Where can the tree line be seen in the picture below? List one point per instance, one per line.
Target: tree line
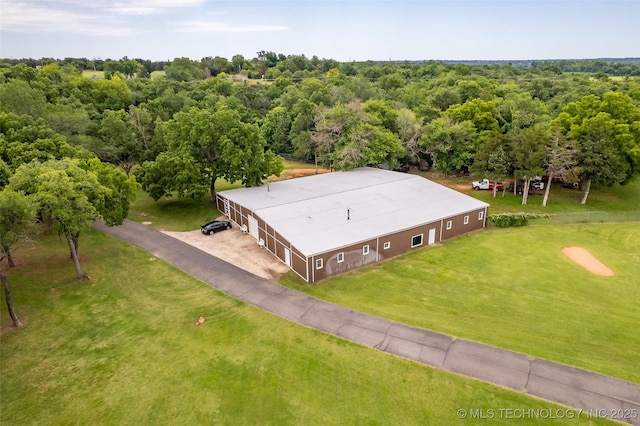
(267, 64)
(73, 149)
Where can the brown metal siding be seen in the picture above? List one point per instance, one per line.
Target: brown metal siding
(353, 258)
(280, 250)
(458, 227)
(237, 216)
(401, 241)
(299, 265)
(270, 243)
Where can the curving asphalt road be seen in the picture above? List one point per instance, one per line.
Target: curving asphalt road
(573, 387)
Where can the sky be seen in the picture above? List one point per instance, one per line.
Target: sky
(344, 30)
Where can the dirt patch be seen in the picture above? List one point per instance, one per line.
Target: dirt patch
(296, 173)
(582, 257)
(461, 187)
(237, 248)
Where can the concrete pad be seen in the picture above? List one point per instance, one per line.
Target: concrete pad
(327, 317)
(487, 363)
(432, 356)
(424, 337)
(288, 304)
(363, 336)
(262, 291)
(372, 322)
(404, 348)
(571, 396)
(631, 413)
(581, 379)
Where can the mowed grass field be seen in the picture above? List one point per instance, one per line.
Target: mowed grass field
(561, 200)
(513, 288)
(123, 349)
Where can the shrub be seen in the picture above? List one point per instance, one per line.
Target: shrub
(504, 220)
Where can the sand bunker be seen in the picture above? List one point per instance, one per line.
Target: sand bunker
(585, 259)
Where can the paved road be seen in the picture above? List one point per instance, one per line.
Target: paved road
(548, 380)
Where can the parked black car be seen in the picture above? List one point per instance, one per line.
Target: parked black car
(215, 226)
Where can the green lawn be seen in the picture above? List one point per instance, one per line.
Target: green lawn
(123, 349)
(515, 289)
(561, 200)
(514, 282)
(172, 213)
(99, 75)
(96, 75)
(180, 214)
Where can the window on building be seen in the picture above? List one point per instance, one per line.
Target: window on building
(449, 224)
(318, 263)
(387, 245)
(416, 240)
(480, 215)
(340, 257)
(365, 250)
(466, 220)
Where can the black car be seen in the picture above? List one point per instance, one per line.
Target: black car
(215, 226)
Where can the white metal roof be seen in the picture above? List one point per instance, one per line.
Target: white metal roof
(311, 212)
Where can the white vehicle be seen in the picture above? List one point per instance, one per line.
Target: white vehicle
(537, 183)
(485, 184)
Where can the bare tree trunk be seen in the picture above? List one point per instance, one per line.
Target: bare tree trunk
(9, 257)
(515, 185)
(547, 189)
(495, 189)
(7, 293)
(212, 190)
(586, 191)
(525, 191)
(76, 260)
(76, 244)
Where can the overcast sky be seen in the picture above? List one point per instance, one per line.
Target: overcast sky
(339, 29)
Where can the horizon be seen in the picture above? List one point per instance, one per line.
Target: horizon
(345, 30)
(396, 61)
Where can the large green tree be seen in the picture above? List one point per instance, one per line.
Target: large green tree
(560, 162)
(451, 145)
(275, 129)
(365, 144)
(492, 161)
(17, 220)
(74, 193)
(118, 140)
(606, 131)
(528, 151)
(204, 146)
(409, 130)
(346, 136)
(25, 139)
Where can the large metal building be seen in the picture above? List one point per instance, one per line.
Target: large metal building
(327, 224)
